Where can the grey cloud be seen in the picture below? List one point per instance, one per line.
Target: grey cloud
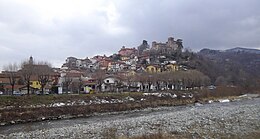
(200, 23)
(217, 24)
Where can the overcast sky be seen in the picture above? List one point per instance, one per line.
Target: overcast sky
(51, 30)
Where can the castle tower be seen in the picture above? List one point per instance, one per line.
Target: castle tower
(31, 60)
(142, 47)
(170, 42)
(179, 43)
(153, 44)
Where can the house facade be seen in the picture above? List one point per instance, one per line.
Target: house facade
(153, 68)
(111, 84)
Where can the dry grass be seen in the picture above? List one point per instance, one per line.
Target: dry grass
(111, 134)
(24, 114)
(160, 135)
(18, 101)
(252, 135)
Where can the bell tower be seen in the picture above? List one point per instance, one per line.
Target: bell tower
(31, 60)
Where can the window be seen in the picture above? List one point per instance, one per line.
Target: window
(152, 69)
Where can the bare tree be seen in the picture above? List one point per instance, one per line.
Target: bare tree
(99, 76)
(67, 80)
(76, 84)
(11, 71)
(27, 70)
(43, 72)
(80, 84)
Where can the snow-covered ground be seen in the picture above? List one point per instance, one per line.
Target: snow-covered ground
(213, 120)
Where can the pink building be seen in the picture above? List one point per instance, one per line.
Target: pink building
(127, 52)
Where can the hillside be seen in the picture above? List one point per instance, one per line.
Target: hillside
(232, 66)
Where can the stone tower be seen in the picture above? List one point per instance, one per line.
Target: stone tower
(142, 47)
(179, 43)
(170, 42)
(31, 60)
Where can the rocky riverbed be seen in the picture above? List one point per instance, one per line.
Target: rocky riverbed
(215, 120)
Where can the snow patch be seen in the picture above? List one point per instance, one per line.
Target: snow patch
(130, 98)
(161, 95)
(198, 104)
(224, 100)
(58, 104)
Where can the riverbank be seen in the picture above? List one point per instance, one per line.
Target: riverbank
(86, 106)
(235, 119)
(23, 109)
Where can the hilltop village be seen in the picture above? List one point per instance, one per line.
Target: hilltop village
(144, 68)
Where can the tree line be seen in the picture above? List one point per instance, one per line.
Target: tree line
(177, 80)
(148, 82)
(22, 74)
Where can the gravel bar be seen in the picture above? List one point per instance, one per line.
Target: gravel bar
(215, 120)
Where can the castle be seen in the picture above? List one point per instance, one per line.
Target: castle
(169, 47)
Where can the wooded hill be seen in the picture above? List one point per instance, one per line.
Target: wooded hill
(237, 66)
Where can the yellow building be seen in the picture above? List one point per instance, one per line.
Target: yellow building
(35, 84)
(153, 69)
(131, 73)
(171, 67)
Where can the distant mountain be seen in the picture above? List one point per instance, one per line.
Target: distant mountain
(246, 50)
(232, 50)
